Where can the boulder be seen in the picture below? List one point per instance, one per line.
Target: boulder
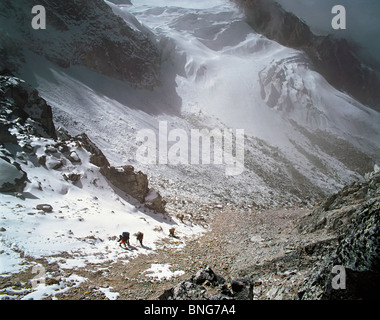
(242, 288)
(207, 274)
(154, 201)
(54, 163)
(206, 285)
(73, 177)
(73, 157)
(12, 177)
(44, 207)
(26, 104)
(97, 157)
(128, 181)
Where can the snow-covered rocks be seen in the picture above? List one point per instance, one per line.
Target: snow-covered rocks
(44, 207)
(22, 104)
(12, 177)
(205, 284)
(154, 201)
(159, 271)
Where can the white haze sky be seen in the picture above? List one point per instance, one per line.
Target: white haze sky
(363, 19)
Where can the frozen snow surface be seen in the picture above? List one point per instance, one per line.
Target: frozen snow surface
(162, 271)
(226, 76)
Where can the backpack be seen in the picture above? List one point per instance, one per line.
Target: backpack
(125, 235)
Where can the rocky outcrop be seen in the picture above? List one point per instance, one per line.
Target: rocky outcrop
(22, 111)
(336, 212)
(134, 184)
(336, 59)
(21, 103)
(154, 201)
(85, 33)
(12, 178)
(353, 215)
(97, 157)
(126, 179)
(206, 285)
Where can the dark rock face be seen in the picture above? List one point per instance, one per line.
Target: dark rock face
(207, 274)
(23, 111)
(13, 178)
(354, 215)
(206, 285)
(97, 157)
(83, 33)
(125, 178)
(134, 184)
(21, 102)
(336, 212)
(335, 59)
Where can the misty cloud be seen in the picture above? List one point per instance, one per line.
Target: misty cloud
(363, 23)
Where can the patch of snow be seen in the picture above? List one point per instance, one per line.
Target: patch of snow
(110, 295)
(43, 291)
(10, 260)
(162, 271)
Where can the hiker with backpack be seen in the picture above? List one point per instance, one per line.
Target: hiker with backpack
(139, 236)
(124, 239)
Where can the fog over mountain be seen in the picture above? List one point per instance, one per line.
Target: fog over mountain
(363, 20)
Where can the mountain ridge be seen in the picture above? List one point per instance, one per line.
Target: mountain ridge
(335, 58)
(81, 33)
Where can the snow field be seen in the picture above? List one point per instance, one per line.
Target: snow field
(86, 220)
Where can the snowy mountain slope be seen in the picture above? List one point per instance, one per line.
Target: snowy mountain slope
(64, 210)
(225, 70)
